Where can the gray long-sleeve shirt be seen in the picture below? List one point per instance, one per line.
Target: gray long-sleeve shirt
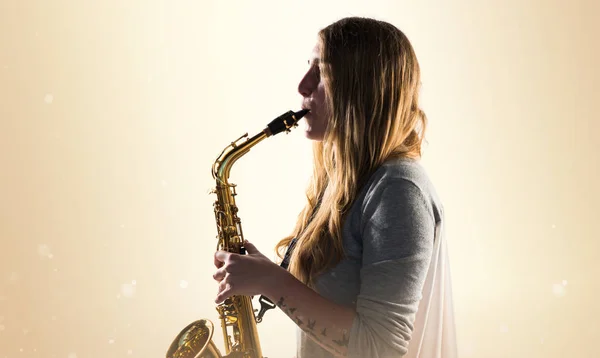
(388, 238)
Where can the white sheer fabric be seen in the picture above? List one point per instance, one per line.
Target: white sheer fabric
(434, 334)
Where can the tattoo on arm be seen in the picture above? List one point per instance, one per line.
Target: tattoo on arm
(280, 303)
(289, 311)
(325, 343)
(341, 343)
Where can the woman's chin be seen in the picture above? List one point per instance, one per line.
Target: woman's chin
(312, 135)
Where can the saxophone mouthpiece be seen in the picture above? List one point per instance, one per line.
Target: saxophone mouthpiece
(301, 113)
(285, 122)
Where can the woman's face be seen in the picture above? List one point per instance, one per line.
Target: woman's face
(312, 90)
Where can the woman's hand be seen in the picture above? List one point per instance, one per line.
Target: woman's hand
(244, 274)
(254, 274)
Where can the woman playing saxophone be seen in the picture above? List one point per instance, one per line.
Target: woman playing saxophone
(368, 274)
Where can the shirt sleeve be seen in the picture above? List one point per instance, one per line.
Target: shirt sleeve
(398, 230)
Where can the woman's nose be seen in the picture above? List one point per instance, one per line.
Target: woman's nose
(305, 87)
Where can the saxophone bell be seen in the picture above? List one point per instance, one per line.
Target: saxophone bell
(195, 341)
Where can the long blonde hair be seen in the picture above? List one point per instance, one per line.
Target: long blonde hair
(372, 81)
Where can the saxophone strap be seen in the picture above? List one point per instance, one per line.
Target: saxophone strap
(265, 303)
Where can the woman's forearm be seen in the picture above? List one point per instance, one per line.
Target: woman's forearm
(326, 322)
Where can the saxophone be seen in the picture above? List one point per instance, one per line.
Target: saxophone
(236, 313)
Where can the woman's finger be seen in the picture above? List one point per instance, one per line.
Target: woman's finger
(225, 291)
(250, 248)
(220, 274)
(225, 283)
(220, 257)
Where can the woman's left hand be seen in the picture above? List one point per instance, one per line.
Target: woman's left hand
(244, 274)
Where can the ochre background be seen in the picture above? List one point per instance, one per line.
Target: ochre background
(112, 112)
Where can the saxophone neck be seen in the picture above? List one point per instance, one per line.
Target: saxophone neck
(233, 152)
(238, 148)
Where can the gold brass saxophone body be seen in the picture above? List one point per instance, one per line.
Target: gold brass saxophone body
(236, 313)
